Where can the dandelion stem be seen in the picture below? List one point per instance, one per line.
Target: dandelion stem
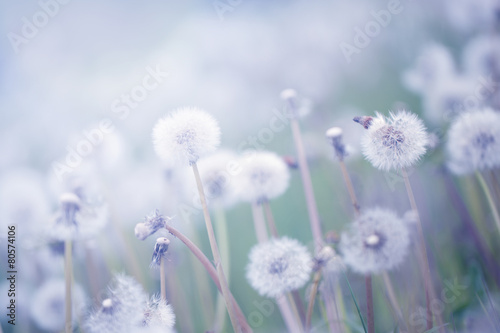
(222, 233)
(287, 314)
(215, 250)
(489, 197)
(68, 276)
(423, 250)
(350, 188)
(211, 271)
(312, 298)
(270, 219)
(162, 278)
(392, 296)
(259, 223)
(308, 188)
(496, 186)
(369, 304)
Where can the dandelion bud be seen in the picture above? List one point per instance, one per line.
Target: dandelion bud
(364, 121)
(160, 250)
(334, 134)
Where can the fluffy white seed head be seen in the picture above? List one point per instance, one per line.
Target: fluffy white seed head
(396, 142)
(480, 56)
(122, 310)
(185, 135)
(278, 266)
(48, 305)
(151, 224)
(474, 142)
(218, 173)
(377, 241)
(159, 313)
(264, 176)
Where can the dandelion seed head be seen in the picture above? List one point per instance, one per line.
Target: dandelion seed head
(121, 310)
(474, 142)
(264, 176)
(480, 56)
(186, 135)
(376, 241)
(218, 179)
(278, 266)
(334, 134)
(396, 142)
(48, 304)
(159, 313)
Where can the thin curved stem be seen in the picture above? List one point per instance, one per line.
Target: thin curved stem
(287, 314)
(222, 233)
(369, 304)
(215, 249)
(312, 298)
(270, 219)
(489, 197)
(163, 288)
(259, 223)
(211, 271)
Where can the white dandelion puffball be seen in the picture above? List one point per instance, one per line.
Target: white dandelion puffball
(474, 142)
(48, 304)
(122, 309)
(159, 313)
(185, 135)
(396, 142)
(264, 176)
(376, 241)
(278, 266)
(218, 176)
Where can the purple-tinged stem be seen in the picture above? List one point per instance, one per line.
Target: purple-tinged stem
(68, 277)
(259, 223)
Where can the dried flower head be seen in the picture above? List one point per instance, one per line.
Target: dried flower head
(185, 135)
(376, 241)
(48, 305)
(298, 107)
(151, 224)
(161, 248)
(395, 142)
(77, 219)
(159, 313)
(217, 175)
(474, 142)
(334, 135)
(278, 266)
(121, 310)
(264, 176)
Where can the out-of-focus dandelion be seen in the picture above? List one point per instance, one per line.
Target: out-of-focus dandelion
(48, 305)
(278, 266)
(122, 310)
(159, 313)
(377, 241)
(474, 146)
(186, 135)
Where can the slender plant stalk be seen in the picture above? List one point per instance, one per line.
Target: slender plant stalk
(68, 276)
(369, 304)
(222, 234)
(162, 278)
(312, 298)
(270, 219)
(423, 250)
(496, 185)
(392, 297)
(179, 302)
(308, 188)
(92, 272)
(489, 197)
(291, 324)
(215, 250)
(350, 188)
(259, 223)
(211, 271)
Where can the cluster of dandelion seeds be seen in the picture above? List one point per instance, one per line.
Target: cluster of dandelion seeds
(185, 135)
(278, 266)
(396, 142)
(376, 241)
(474, 142)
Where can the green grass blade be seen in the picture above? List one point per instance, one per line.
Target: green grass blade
(355, 303)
